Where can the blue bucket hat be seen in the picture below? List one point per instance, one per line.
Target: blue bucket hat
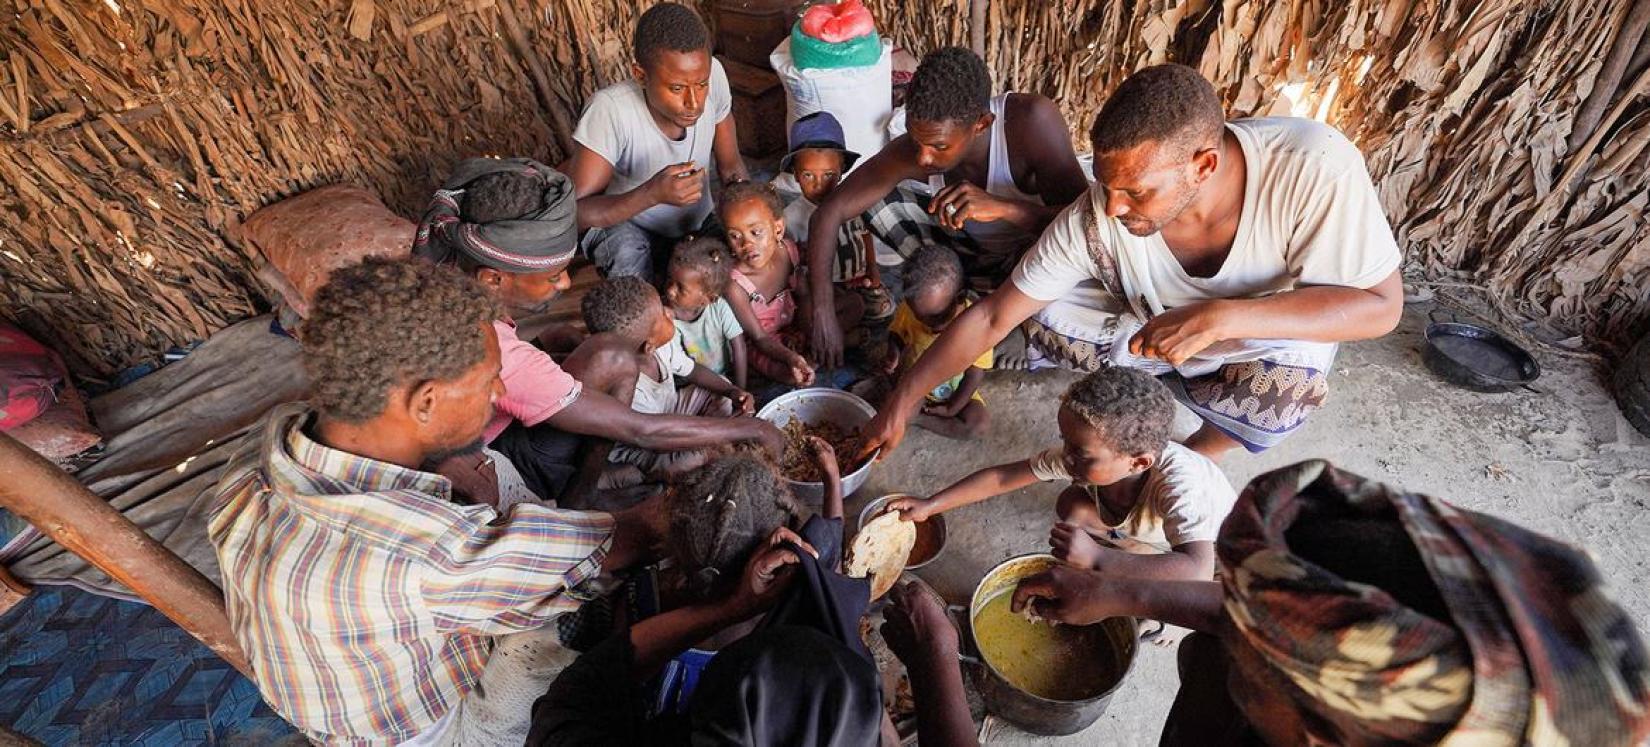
(818, 130)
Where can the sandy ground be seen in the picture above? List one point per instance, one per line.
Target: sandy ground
(1563, 462)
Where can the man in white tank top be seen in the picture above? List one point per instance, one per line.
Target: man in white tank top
(1228, 258)
(1006, 166)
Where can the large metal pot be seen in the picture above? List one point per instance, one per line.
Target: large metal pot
(823, 406)
(1034, 713)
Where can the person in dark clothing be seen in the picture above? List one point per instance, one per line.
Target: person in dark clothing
(787, 684)
(803, 677)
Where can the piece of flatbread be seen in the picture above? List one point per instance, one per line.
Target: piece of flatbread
(880, 551)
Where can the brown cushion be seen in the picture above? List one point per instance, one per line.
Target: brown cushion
(60, 432)
(308, 236)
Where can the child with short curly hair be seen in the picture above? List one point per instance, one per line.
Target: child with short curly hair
(635, 355)
(1157, 503)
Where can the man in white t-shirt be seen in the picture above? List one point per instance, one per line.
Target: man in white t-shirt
(643, 145)
(1228, 257)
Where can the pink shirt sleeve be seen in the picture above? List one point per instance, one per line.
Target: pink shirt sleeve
(535, 388)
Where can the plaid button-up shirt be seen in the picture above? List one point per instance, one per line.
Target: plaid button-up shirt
(365, 598)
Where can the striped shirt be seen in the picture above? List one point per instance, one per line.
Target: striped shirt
(364, 597)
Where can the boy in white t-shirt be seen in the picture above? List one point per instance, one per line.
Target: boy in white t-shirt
(635, 354)
(642, 146)
(1157, 504)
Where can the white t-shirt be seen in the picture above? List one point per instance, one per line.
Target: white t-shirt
(1311, 216)
(618, 126)
(799, 215)
(706, 339)
(1185, 498)
(658, 396)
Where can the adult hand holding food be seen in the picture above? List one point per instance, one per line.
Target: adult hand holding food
(1180, 333)
(1069, 595)
(964, 201)
(680, 184)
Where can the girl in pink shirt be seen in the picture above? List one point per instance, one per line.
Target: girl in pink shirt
(766, 278)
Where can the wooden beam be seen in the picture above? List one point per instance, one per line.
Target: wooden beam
(977, 13)
(88, 526)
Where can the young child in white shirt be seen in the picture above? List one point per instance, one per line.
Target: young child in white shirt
(1138, 505)
(635, 354)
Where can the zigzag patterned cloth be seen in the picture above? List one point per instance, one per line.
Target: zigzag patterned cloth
(1258, 402)
(1256, 391)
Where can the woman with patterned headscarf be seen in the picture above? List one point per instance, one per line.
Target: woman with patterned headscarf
(1351, 613)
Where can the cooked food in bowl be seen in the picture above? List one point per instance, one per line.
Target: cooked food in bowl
(798, 463)
(1048, 660)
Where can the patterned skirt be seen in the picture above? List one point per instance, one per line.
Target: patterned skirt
(1257, 402)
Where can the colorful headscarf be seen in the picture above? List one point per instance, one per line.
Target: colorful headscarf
(534, 242)
(1533, 651)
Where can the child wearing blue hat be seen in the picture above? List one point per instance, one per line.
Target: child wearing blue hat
(818, 159)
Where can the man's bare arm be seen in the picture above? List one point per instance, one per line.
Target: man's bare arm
(862, 189)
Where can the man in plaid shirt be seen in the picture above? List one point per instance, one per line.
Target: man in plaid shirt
(366, 600)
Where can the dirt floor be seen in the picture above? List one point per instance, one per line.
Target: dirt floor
(1562, 462)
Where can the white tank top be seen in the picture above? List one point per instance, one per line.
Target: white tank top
(1000, 237)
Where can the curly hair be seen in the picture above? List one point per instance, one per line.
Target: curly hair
(708, 256)
(668, 27)
(722, 512)
(1130, 408)
(501, 196)
(1164, 104)
(387, 322)
(739, 192)
(620, 305)
(932, 265)
(950, 85)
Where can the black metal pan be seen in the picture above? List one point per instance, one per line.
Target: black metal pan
(1477, 358)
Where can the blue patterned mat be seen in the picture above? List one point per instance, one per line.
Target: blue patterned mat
(79, 669)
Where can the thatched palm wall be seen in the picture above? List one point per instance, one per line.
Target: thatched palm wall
(132, 137)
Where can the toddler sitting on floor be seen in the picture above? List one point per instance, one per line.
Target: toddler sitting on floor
(635, 354)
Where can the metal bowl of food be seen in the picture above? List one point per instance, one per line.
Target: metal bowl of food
(833, 415)
(930, 533)
(1045, 678)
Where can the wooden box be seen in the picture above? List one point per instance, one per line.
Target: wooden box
(758, 108)
(748, 30)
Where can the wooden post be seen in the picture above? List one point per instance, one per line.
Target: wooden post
(88, 526)
(976, 26)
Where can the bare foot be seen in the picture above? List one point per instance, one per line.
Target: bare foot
(1010, 354)
(1165, 636)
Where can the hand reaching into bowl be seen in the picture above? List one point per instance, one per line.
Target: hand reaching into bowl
(912, 508)
(825, 456)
